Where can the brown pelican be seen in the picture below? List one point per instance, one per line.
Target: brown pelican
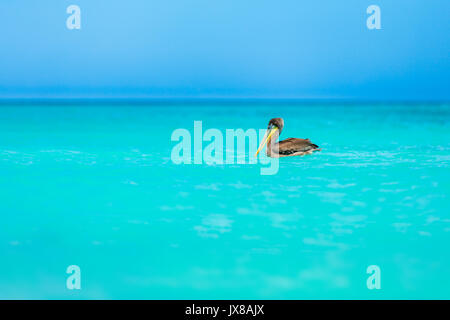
(285, 148)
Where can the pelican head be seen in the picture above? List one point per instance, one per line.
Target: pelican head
(275, 125)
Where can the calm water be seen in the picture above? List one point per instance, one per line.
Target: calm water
(94, 186)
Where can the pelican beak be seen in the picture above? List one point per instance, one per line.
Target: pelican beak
(266, 138)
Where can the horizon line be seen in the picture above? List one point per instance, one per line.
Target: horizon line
(206, 100)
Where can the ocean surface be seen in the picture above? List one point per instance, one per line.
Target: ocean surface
(94, 185)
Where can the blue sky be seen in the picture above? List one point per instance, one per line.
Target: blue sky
(225, 49)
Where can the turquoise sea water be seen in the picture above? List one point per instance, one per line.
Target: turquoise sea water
(94, 186)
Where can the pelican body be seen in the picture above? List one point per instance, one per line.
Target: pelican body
(285, 148)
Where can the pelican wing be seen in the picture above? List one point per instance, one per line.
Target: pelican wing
(295, 145)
